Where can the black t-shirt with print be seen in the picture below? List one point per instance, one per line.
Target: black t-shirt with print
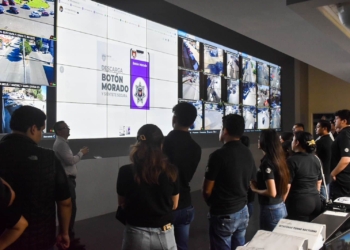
(305, 171)
(341, 148)
(324, 152)
(146, 205)
(232, 167)
(267, 171)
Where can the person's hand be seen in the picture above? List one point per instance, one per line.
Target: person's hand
(253, 185)
(333, 177)
(84, 150)
(63, 241)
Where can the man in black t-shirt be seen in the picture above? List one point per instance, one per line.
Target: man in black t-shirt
(38, 179)
(340, 161)
(323, 151)
(226, 184)
(185, 154)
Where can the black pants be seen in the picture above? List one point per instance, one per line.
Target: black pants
(72, 184)
(336, 191)
(303, 207)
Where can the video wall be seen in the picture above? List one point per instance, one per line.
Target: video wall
(107, 72)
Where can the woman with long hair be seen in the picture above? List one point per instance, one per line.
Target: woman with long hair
(303, 202)
(148, 190)
(272, 183)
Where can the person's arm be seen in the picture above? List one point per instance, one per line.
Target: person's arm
(10, 235)
(270, 191)
(342, 164)
(65, 154)
(8, 190)
(207, 189)
(175, 199)
(64, 211)
(319, 182)
(286, 194)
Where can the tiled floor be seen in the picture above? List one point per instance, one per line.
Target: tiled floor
(106, 233)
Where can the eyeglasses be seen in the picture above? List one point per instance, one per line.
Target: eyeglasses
(64, 128)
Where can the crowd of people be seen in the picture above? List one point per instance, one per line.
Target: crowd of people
(153, 190)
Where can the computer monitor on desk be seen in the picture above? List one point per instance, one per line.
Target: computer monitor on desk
(339, 243)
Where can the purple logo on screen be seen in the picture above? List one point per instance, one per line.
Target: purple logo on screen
(140, 91)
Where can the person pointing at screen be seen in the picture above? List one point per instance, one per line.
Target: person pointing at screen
(69, 161)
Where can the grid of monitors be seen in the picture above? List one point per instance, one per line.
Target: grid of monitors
(247, 85)
(27, 59)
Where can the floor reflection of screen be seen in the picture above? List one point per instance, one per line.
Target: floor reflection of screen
(232, 109)
(190, 54)
(14, 98)
(213, 88)
(213, 60)
(232, 91)
(276, 118)
(213, 113)
(275, 98)
(232, 66)
(190, 85)
(263, 74)
(249, 115)
(248, 70)
(249, 93)
(263, 95)
(263, 118)
(198, 123)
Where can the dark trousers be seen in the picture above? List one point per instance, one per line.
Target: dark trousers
(303, 207)
(72, 184)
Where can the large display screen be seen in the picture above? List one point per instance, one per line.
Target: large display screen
(213, 113)
(87, 63)
(263, 118)
(213, 60)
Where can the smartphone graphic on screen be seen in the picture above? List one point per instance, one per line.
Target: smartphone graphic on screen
(140, 82)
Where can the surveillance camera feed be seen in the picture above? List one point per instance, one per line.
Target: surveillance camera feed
(232, 91)
(275, 118)
(14, 98)
(275, 76)
(248, 70)
(275, 98)
(26, 49)
(232, 109)
(263, 95)
(263, 118)
(190, 54)
(190, 85)
(249, 115)
(232, 70)
(249, 93)
(213, 88)
(198, 123)
(213, 113)
(263, 74)
(213, 60)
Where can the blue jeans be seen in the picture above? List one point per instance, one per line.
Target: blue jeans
(145, 238)
(271, 214)
(250, 206)
(227, 231)
(182, 219)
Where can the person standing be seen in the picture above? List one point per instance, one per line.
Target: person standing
(68, 161)
(340, 160)
(38, 180)
(303, 202)
(323, 151)
(148, 191)
(226, 184)
(183, 152)
(272, 184)
(298, 127)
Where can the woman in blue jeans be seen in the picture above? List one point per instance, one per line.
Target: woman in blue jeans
(148, 190)
(272, 183)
